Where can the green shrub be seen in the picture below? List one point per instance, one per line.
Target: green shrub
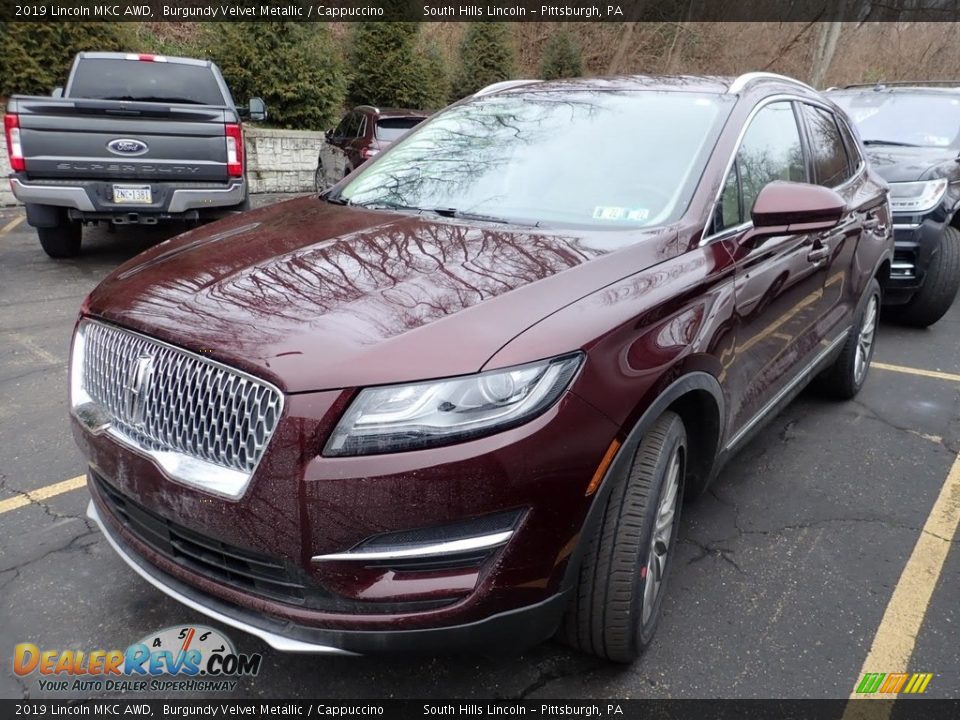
(390, 66)
(436, 81)
(561, 57)
(293, 66)
(36, 57)
(486, 56)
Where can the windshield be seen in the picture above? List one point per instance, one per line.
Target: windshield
(925, 119)
(611, 159)
(390, 129)
(114, 79)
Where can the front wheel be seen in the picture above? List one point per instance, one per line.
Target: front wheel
(940, 285)
(846, 376)
(623, 575)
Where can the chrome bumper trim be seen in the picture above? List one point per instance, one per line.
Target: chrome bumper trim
(481, 542)
(77, 198)
(278, 642)
(183, 200)
(68, 197)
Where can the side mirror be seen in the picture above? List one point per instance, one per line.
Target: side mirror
(329, 134)
(57, 92)
(257, 109)
(784, 208)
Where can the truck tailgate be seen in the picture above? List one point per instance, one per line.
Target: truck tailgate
(70, 138)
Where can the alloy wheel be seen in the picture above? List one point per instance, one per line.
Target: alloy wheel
(662, 536)
(868, 330)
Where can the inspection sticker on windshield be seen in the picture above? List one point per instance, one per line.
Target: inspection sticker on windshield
(612, 212)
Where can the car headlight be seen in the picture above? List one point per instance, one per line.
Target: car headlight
(439, 412)
(916, 197)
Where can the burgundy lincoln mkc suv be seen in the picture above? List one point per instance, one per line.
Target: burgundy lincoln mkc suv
(457, 399)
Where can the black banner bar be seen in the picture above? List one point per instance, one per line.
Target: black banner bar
(466, 10)
(904, 709)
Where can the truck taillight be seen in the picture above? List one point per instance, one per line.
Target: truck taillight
(11, 125)
(234, 150)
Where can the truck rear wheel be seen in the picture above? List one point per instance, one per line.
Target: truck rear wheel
(939, 288)
(62, 240)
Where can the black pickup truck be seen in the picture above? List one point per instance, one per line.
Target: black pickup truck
(132, 138)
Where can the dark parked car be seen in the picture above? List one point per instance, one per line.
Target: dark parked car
(458, 401)
(132, 139)
(362, 133)
(912, 134)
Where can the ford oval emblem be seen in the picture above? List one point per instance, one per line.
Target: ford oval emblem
(127, 146)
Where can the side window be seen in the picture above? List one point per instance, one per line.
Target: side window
(343, 127)
(770, 150)
(831, 167)
(353, 124)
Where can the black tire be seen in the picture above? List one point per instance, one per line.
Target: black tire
(61, 241)
(843, 379)
(606, 613)
(940, 285)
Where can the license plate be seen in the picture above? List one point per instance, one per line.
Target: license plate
(138, 194)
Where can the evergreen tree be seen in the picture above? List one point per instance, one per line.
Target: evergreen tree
(561, 57)
(293, 66)
(486, 56)
(384, 64)
(436, 79)
(36, 57)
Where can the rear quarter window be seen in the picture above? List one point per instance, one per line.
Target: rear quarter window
(831, 166)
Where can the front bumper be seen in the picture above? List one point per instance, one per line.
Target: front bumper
(523, 627)
(917, 240)
(318, 519)
(94, 197)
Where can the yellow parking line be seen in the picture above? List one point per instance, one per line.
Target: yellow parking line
(935, 374)
(11, 225)
(43, 493)
(895, 639)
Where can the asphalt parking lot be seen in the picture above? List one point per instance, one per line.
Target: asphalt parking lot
(782, 583)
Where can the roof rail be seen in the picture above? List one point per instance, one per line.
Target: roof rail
(743, 80)
(503, 85)
(901, 83)
(376, 111)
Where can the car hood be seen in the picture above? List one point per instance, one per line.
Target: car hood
(314, 296)
(906, 164)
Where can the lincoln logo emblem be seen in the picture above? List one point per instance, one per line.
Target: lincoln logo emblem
(135, 392)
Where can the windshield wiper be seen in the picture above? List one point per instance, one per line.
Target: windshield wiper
(447, 212)
(480, 217)
(890, 142)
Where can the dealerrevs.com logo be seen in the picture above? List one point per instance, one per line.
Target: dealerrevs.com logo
(191, 658)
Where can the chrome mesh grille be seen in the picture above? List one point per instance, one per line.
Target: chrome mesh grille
(189, 405)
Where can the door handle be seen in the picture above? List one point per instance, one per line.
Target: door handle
(873, 223)
(819, 252)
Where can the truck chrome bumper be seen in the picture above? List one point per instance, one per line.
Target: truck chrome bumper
(61, 196)
(76, 197)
